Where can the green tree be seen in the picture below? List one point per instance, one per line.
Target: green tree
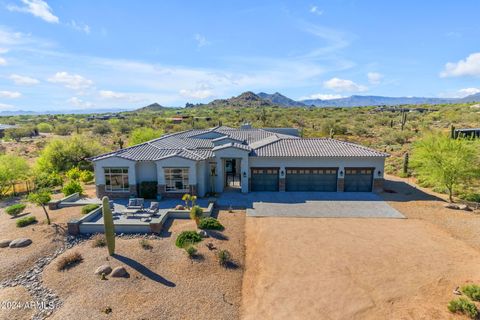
(12, 169)
(61, 155)
(141, 135)
(41, 198)
(445, 162)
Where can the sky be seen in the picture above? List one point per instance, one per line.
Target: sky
(66, 55)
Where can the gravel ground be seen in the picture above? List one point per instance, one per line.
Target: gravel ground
(13, 302)
(163, 282)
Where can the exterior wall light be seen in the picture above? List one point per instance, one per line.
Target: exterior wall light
(282, 173)
(244, 174)
(379, 173)
(341, 173)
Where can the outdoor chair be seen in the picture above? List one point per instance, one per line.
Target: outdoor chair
(153, 208)
(135, 203)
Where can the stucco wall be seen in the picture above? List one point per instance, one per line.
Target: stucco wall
(113, 162)
(177, 162)
(146, 171)
(229, 153)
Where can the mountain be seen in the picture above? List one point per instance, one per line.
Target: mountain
(279, 99)
(246, 99)
(360, 101)
(471, 98)
(152, 107)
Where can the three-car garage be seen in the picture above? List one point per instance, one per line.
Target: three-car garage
(313, 179)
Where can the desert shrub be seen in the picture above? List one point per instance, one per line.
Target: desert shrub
(462, 305)
(69, 260)
(86, 176)
(23, 222)
(15, 209)
(210, 223)
(143, 134)
(145, 244)
(45, 127)
(187, 237)
(63, 129)
(72, 187)
(99, 241)
(47, 180)
(472, 291)
(191, 250)
(224, 257)
(473, 197)
(148, 189)
(89, 208)
(102, 129)
(73, 174)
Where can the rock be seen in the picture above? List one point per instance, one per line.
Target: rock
(119, 272)
(464, 207)
(179, 207)
(451, 206)
(4, 243)
(19, 243)
(106, 269)
(203, 233)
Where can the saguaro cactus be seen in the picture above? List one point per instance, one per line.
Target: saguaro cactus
(109, 226)
(404, 119)
(405, 164)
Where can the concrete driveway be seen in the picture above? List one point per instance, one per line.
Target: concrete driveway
(311, 204)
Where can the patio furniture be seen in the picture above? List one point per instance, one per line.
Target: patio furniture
(130, 212)
(135, 203)
(153, 208)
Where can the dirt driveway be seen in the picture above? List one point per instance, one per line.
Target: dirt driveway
(307, 268)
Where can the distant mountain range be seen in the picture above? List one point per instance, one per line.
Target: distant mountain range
(250, 99)
(262, 99)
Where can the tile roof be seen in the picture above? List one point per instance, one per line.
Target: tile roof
(198, 145)
(323, 147)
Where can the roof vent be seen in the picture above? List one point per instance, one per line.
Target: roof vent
(245, 126)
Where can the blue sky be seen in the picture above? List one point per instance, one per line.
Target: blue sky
(61, 55)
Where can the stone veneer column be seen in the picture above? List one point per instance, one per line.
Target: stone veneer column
(340, 184)
(161, 190)
(133, 190)
(281, 184)
(378, 184)
(100, 190)
(193, 189)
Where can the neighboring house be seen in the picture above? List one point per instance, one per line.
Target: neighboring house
(467, 133)
(246, 159)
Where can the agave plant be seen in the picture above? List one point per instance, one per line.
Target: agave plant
(196, 213)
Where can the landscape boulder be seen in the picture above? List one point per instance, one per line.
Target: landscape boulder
(464, 207)
(119, 272)
(179, 207)
(203, 233)
(4, 243)
(105, 269)
(20, 242)
(451, 206)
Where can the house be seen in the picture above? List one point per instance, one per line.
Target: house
(244, 160)
(467, 133)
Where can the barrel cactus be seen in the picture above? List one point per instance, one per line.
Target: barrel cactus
(109, 226)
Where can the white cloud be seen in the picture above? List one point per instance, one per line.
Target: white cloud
(201, 40)
(23, 80)
(467, 67)
(79, 26)
(4, 106)
(196, 94)
(467, 92)
(107, 94)
(71, 81)
(38, 8)
(322, 96)
(79, 103)
(315, 10)
(374, 77)
(343, 85)
(3, 50)
(3, 62)
(10, 94)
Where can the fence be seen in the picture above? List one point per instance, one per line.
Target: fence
(21, 188)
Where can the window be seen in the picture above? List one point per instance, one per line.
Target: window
(116, 179)
(176, 179)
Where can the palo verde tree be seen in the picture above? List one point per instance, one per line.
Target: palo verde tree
(445, 162)
(41, 198)
(12, 170)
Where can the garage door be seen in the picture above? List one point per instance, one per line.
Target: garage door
(264, 179)
(358, 179)
(311, 179)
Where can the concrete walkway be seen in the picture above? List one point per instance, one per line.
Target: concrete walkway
(311, 204)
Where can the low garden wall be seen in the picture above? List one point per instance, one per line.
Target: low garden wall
(68, 201)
